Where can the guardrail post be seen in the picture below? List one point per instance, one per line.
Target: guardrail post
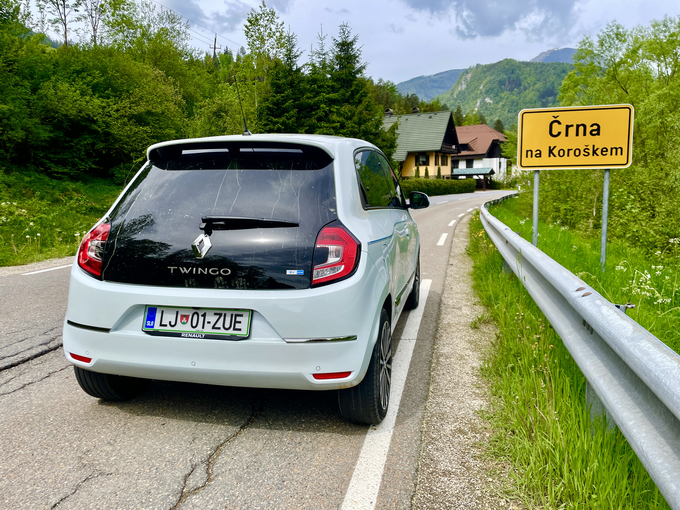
(597, 408)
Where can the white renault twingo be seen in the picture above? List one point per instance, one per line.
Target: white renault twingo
(273, 261)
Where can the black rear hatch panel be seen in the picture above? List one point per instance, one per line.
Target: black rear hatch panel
(273, 187)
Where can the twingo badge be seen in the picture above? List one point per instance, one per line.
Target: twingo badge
(201, 246)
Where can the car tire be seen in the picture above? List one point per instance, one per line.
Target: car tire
(109, 387)
(367, 403)
(414, 297)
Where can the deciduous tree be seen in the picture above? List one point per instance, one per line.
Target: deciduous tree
(60, 14)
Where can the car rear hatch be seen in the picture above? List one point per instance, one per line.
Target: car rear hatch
(251, 210)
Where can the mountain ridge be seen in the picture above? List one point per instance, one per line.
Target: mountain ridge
(501, 90)
(427, 87)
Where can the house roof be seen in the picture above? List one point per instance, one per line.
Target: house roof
(422, 132)
(473, 171)
(479, 139)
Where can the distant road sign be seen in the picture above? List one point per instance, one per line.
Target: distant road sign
(575, 137)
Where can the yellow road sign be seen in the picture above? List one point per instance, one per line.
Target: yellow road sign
(575, 137)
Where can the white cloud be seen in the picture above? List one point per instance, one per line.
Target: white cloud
(492, 18)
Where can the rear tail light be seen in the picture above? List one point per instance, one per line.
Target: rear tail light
(91, 251)
(336, 254)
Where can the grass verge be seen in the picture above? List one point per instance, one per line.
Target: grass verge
(43, 218)
(538, 410)
(650, 282)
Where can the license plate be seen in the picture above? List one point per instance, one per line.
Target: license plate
(210, 323)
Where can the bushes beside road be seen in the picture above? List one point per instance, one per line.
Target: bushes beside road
(434, 187)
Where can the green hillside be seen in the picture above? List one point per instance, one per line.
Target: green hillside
(429, 87)
(503, 89)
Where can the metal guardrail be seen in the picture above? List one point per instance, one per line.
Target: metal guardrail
(635, 375)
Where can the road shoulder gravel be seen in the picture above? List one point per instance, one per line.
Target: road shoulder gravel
(453, 471)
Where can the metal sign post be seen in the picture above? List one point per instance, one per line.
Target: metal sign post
(537, 179)
(605, 216)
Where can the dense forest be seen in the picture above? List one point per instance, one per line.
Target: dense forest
(126, 78)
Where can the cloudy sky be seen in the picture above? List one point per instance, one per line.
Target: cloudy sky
(402, 39)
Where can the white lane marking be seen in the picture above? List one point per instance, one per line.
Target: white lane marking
(461, 215)
(471, 209)
(442, 239)
(362, 492)
(452, 222)
(444, 202)
(45, 270)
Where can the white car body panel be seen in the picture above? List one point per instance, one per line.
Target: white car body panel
(104, 319)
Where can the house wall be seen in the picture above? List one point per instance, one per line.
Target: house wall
(409, 167)
(499, 166)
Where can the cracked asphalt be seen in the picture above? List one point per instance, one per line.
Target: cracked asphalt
(190, 446)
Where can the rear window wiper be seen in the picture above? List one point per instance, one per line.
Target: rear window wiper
(211, 223)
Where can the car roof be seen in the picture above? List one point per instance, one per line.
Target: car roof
(332, 145)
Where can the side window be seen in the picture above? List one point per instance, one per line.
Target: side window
(400, 201)
(379, 189)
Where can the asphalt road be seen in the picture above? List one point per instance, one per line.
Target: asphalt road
(195, 446)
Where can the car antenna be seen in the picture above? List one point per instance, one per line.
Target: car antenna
(247, 131)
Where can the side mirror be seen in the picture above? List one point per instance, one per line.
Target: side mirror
(418, 200)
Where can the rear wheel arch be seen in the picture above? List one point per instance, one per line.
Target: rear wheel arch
(387, 306)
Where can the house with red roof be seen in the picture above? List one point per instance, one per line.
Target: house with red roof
(480, 153)
(431, 141)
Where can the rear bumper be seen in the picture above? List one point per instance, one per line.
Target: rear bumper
(104, 323)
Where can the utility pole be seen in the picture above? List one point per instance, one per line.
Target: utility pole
(214, 47)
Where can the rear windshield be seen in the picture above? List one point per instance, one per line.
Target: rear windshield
(182, 184)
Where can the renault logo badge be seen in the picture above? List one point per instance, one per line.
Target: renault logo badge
(201, 246)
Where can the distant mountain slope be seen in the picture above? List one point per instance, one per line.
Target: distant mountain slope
(503, 89)
(556, 55)
(429, 87)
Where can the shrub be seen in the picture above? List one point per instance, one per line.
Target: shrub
(434, 187)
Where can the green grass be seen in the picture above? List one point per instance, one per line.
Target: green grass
(538, 412)
(650, 282)
(42, 218)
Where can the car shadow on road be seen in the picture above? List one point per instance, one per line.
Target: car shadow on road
(223, 405)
